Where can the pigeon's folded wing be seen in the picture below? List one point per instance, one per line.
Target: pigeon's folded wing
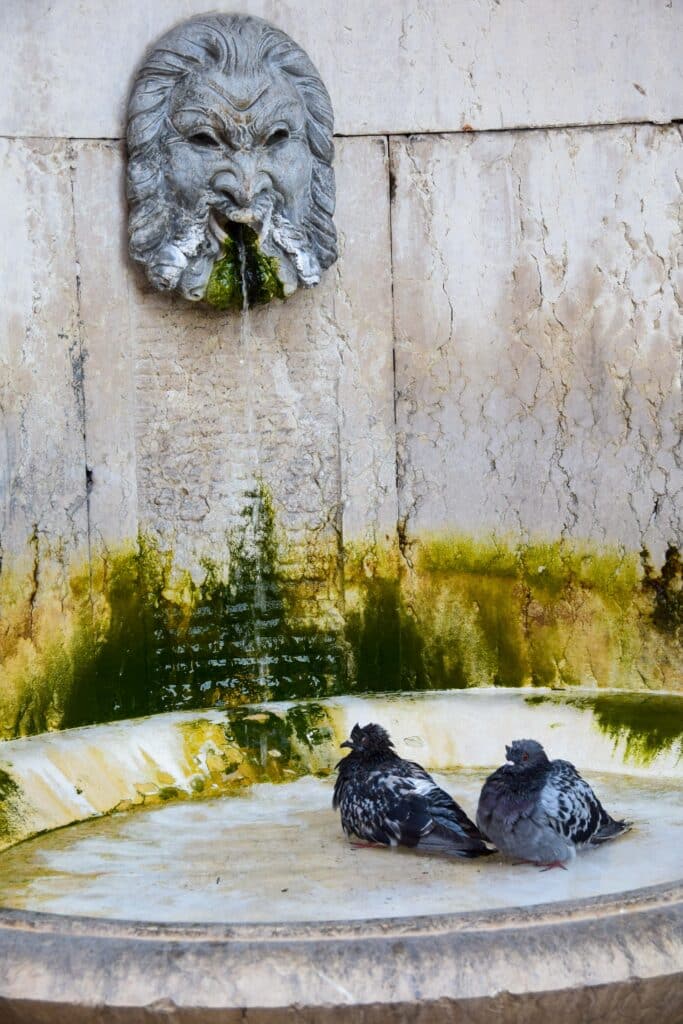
(444, 812)
(444, 826)
(396, 810)
(570, 804)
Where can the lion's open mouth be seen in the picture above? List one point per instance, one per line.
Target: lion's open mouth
(218, 225)
(222, 222)
(244, 275)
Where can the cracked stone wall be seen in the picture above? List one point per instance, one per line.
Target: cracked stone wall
(538, 294)
(299, 394)
(496, 354)
(125, 411)
(395, 66)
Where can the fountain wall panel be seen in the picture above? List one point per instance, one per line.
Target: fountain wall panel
(438, 468)
(394, 67)
(43, 487)
(300, 395)
(42, 364)
(104, 307)
(539, 319)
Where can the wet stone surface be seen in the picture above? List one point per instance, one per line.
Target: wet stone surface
(278, 854)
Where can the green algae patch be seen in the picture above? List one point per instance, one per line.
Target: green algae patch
(142, 637)
(224, 290)
(132, 634)
(255, 641)
(386, 649)
(259, 743)
(279, 746)
(666, 589)
(540, 614)
(9, 808)
(243, 262)
(647, 724)
(456, 612)
(212, 759)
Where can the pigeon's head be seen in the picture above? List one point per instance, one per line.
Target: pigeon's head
(526, 753)
(370, 739)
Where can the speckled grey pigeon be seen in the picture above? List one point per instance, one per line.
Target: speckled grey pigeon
(541, 811)
(384, 799)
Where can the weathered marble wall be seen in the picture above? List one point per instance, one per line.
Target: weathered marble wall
(496, 356)
(187, 407)
(539, 315)
(394, 66)
(43, 488)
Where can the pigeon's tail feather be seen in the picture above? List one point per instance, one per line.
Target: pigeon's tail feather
(441, 840)
(610, 830)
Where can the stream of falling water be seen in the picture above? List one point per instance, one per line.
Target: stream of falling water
(247, 360)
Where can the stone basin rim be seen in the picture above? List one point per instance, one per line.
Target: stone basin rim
(492, 692)
(668, 895)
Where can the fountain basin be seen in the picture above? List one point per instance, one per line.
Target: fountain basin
(284, 913)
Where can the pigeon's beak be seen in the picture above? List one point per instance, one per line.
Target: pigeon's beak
(508, 751)
(347, 743)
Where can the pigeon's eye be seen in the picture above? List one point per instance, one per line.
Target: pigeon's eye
(365, 741)
(525, 757)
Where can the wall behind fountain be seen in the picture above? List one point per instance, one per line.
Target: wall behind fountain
(462, 439)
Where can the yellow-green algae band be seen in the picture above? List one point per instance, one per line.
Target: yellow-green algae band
(136, 636)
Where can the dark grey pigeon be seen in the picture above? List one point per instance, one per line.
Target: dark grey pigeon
(384, 799)
(542, 811)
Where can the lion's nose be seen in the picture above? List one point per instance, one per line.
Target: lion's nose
(240, 189)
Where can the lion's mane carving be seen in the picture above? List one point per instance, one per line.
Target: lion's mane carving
(229, 124)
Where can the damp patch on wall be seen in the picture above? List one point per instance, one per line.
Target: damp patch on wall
(132, 634)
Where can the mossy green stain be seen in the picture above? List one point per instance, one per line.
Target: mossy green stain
(116, 680)
(649, 724)
(261, 274)
(167, 793)
(9, 804)
(518, 614)
(547, 569)
(277, 743)
(666, 588)
(386, 649)
(466, 614)
(257, 646)
(170, 643)
(224, 290)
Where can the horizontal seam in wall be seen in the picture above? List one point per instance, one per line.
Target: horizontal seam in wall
(598, 126)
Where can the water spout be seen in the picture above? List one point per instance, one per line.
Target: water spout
(259, 600)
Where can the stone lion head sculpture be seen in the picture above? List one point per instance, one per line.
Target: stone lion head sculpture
(230, 181)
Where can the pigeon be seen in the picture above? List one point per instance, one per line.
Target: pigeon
(542, 811)
(388, 801)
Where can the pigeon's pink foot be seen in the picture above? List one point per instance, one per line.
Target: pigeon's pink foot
(553, 864)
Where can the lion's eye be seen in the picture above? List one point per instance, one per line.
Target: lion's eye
(204, 139)
(279, 135)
